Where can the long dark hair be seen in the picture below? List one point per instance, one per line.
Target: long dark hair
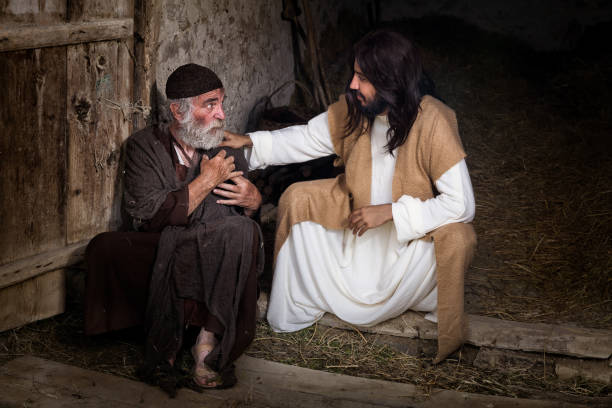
(393, 66)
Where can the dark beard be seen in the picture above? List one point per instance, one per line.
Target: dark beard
(374, 108)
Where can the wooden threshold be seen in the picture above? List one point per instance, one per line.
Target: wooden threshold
(32, 381)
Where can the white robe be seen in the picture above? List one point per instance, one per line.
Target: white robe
(362, 280)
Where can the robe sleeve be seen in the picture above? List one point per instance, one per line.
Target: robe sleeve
(152, 197)
(294, 144)
(413, 218)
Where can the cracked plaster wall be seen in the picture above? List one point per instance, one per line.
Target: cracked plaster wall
(245, 42)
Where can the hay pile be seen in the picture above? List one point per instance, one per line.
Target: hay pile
(536, 127)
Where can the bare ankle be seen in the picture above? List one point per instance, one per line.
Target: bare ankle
(206, 337)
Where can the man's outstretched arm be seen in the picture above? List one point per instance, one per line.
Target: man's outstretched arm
(294, 144)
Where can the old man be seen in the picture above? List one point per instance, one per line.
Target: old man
(392, 233)
(192, 255)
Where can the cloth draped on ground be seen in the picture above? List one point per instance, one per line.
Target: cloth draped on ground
(200, 269)
(321, 267)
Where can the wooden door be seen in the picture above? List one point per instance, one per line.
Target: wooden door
(67, 70)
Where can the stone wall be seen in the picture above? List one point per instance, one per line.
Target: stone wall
(245, 42)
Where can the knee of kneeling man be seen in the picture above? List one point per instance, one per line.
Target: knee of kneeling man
(462, 236)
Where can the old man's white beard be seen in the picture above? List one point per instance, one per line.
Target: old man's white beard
(201, 136)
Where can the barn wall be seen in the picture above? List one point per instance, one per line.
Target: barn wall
(69, 106)
(71, 99)
(544, 25)
(245, 42)
(67, 69)
(32, 152)
(32, 11)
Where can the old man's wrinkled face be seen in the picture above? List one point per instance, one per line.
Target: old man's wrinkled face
(202, 126)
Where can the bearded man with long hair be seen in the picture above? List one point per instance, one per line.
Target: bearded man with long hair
(393, 231)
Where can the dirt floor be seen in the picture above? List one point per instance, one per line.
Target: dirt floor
(536, 128)
(353, 353)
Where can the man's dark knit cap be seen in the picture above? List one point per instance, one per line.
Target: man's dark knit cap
(191, 80)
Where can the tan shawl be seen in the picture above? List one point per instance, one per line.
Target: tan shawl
(433, 146)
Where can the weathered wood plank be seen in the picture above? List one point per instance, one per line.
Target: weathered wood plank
(277, 384)
(23, 269)
(39, 12)
(21, 37)
(99, 121)
(549, 338)
(410, 324)
(146, 32)
(87, 10)
(491, 332)
(33, 381)
(260, 383)
(596, 370)
(35, 299)
(32, 152)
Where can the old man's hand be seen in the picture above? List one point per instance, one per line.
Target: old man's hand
(368, 217)
(219, 168)
(236, 141)
(243, 194)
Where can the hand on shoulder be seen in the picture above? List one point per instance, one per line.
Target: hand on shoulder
(236, 141)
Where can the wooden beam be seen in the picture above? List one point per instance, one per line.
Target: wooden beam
(23, 37)
(32, 126)
(596, 370)
(18, 271)
(34, 299)
(98, 96)
(489, 332)
(33, 381)
(146, 41)
(540, 337)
